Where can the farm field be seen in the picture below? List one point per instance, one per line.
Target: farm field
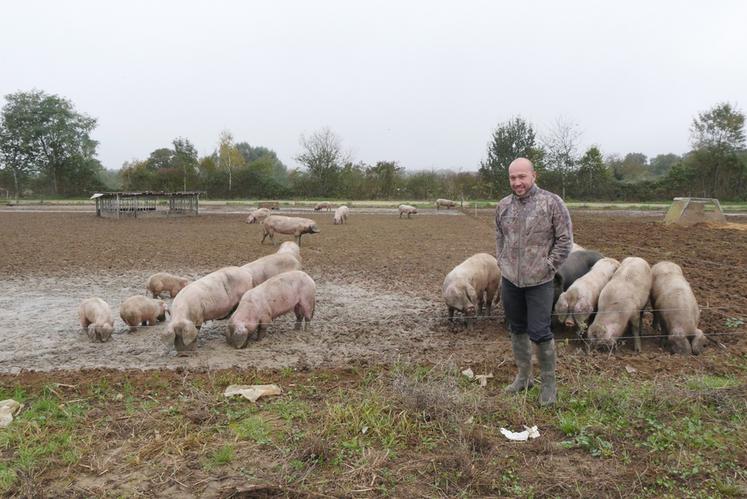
(374, 402)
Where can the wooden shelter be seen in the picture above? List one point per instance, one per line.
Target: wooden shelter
(147, 203)
(690, 211)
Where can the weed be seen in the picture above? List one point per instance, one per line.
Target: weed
(221, 456)
(253, 428)
(733, 322)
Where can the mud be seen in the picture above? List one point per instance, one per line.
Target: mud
(379, 285)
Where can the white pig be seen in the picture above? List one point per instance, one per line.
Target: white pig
(406, 209)
(291, 291)
(341, 215)
(211, 297)
(575, 306)
(96, 319)
(163, 281)
(140, 310)
(621, 302)
(446, 203)
(291, 248)
(472, 284)
(288, 225)
(269, 266)
(258, 215)
(676, 311)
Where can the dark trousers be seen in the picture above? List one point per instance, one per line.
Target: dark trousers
(529, 310)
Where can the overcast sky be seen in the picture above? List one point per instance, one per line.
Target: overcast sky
(423, 83)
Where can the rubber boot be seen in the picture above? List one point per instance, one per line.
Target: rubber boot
(546, 356)
(522, 349)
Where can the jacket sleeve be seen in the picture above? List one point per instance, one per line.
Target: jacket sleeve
(498, 234)
(563, 230)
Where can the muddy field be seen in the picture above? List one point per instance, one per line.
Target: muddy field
(378, 280)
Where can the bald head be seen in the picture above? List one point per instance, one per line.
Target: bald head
(521, 175)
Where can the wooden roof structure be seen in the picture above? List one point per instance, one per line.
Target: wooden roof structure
(147, 203)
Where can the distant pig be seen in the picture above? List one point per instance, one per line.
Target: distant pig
(324, 205)
(258, 215)
(269, 266)
(577, 264)
(471, 285)
(341, 215)
(96, 319)
(621, 303)
(446, 203)
(676, 310)
(140, 310)
(211, 297)
(291, 291)
(165, 282)
(406, 209)
(575, 306)
(288, 225)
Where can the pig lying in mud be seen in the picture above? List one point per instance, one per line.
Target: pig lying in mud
(471, 285)
(211, 297)
(406, 209)
(676, 311)
(341, 215)
(621, 303)
(575, 306)
(577, 264)
(96, 319)
(165, 282)
(258, 215)
(446, 203)
(286, 259)
(291, 291)
(294, 226)
(140, 310)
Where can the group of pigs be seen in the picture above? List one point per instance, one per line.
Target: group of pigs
(588, 285)
(293, 226)
(252, 295)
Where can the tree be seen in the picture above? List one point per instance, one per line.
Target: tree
(323, 157)
(16, 150)
(229, 157)
(592, 175)
(185, 159)
(386, 177)
(660, 164)
(510, 140)
(560, 145)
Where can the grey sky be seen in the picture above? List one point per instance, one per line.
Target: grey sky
(422, 83)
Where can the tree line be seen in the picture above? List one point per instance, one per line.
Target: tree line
(46, 150)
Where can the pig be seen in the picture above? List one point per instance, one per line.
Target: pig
(140, 310)
(575, 306)
(324, 205)
(407, 209)
(676, 311)
(211, 297)
(341, 215)
(577, 264)
(290, 247)
(96, 319)
(165, 282)
(288, 225)
(446, 203)
(621, 303)
(290, 291)
(472, 284)
(258, 215)
(284, 260)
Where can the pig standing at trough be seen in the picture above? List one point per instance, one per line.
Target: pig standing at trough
(406, 209)
(291, 291)
(446, 203)
(294, 226)
(163, 281)
(140, 310)
(269, 266)
(472, 284)
(96, 318)
(621, 302)
(258, 215)
(211, 297)
(676, 310)
(575, 306)
(341, 215)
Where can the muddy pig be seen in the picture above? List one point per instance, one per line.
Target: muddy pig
(258, 216)
(211, 297)
(291, 291)
(295, 226)
(471, 285)
(676, 311)
(575, 306)
(406, 209)
(140, 310)
(577, 264)
(621, 303)
(162, 281)
(96, 319)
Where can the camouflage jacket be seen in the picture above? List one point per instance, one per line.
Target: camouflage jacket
(533, 236)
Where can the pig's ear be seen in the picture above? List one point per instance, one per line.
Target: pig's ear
(168, 336)
(189, 334)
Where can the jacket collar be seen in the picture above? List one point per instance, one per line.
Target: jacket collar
(529, 195)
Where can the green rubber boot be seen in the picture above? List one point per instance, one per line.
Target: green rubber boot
(546, 355)
(522, 349)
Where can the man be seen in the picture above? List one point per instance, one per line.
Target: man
(533, 235)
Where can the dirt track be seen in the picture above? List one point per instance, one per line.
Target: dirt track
(379, 282)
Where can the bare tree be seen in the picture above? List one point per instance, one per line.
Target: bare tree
(323, 156)
(561, 149)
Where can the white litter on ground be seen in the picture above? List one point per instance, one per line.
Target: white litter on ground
(8, 409)
(521, 436)
(252, 392)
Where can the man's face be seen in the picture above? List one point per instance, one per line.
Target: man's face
(521, 176)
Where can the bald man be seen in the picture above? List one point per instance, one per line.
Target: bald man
(533, 235)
